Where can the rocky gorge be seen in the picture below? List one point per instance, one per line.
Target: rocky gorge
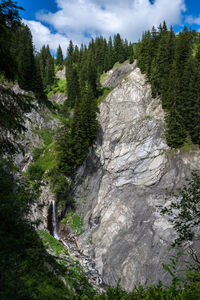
(127, 176)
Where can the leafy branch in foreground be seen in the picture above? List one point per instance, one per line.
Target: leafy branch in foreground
(184, 214)
(184, 211)
(12, 118)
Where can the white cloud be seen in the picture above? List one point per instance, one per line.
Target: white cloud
(78, 20)
(43, 36)
(191, 20)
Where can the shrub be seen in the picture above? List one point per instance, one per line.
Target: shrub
(35, 172)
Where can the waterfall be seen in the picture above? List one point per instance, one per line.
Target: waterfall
(55, 234)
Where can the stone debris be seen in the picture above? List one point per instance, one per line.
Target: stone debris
(86, 263)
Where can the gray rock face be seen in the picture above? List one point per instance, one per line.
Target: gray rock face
(59, 98)
(115, 75)
(122, 182)
(61, 73)
(38, 119)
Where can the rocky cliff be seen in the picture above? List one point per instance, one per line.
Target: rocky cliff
(124, 179)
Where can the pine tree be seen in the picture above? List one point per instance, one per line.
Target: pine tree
(71, 76)
(119, 54)
(191, 109)
(175, 132)
(79, 136)
(45, 62)
(92, 71)
(89, 110)
(49, 70)
(110, 54)
(25, 59)
(10, 21)
(59, 57)
(161, 63)
(144, 56)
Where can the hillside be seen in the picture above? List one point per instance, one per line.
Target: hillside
(93, 148)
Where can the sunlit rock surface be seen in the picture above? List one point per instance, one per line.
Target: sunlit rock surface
(124, 180)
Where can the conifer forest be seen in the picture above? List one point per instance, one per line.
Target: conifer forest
(171, 64)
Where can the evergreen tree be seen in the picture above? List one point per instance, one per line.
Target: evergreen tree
(89, 110)
(119, 53)
(9, 22)
(71, 76)
(175, 132)
(92, 71)
(161, 64)
(25, 58)
(110, 54)
(45, 61)
(59, 57)
(144, 56)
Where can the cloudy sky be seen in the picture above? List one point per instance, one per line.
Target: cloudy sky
(56, 22)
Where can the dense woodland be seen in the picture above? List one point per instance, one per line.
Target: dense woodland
(172, 66)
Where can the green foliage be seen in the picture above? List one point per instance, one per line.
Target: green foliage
(23, 257)
(76, 224)
(37, 152)
(46, 134)
(45, 160)
(58, 87)
(175, 133)
(83, 69)
(52, 244)
(103, 77)
(35, 172)
(12, 118)
(105, 92)
(27, 270)
(188, 145)
(173, 71)
(68, 216)
(9, 21)
(45, 63)
(25, 58)
(190, 290)
(59, 57)
(184, 210)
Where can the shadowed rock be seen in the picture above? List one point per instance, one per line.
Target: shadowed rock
(122, 182)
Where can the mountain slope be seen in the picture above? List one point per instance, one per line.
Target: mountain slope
(123, 181)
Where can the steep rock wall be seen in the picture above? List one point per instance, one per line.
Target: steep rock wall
(122, 182)
(40, 118)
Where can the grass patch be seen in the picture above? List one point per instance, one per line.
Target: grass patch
(69, 215)
(188, 145)
(105, 92)
(44, 163)
(52, 244)
(74, 221)
(117, 64)
(103, 77)
(46, 134)
(5, 81)
(76, 224)
(60, 86)
(48, 159)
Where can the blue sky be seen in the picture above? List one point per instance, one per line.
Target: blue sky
(56, 22)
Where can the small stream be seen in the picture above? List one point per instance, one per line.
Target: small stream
(54, 224)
